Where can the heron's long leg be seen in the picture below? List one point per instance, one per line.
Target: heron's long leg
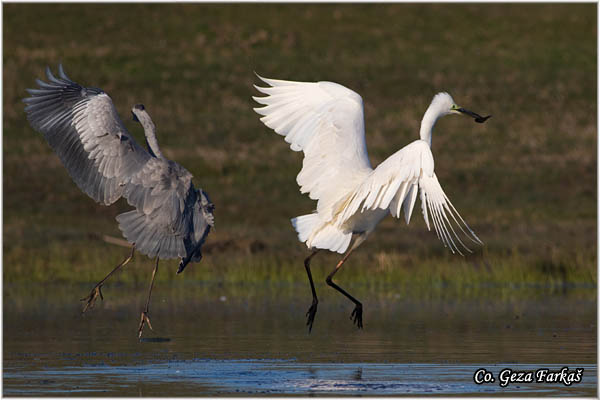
(312, 311)
(144, 318)
(97, 290)
(357, 313)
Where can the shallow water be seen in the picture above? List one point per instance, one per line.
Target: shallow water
(252, 341)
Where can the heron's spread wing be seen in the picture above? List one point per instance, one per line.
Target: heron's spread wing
(395, 183)
(169, 231)
(172, 218)
(160, 185)
(83, 128)
(324, 120)
(163, 191)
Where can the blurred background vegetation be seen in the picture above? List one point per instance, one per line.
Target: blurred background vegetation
(525, 181)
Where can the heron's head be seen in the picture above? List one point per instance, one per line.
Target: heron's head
(138, 112)
(444, 104)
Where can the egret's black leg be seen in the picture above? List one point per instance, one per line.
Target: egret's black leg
(312, 311)
(357, 313)
(145, 318)
(97, 290)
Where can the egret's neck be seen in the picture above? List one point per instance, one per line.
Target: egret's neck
(427, 123)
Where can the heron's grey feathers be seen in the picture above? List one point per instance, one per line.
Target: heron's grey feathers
(172, 218)
(176, 213)
(156, 234)
(81, 124)
(160, 183)
(141, 229)
(203, 220)
(324, 120)
(83, 128)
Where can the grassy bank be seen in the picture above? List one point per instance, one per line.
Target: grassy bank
(525, 181)
(389, 271)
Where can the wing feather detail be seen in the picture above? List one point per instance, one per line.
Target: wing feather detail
(175, 217)
(83, 128)
(436, 204)
(325, 121)
(395, 184)
(171, 219)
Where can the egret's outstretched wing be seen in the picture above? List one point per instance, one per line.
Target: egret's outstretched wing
(395, 183)
(83, 128)
(324, 120)
(440, 208)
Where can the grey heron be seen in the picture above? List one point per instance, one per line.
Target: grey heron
(325, 121)
(171, 218)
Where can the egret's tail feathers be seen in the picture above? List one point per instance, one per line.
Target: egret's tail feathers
(305, 225)
(317, 234)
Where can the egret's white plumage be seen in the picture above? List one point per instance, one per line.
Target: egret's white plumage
(325, 120)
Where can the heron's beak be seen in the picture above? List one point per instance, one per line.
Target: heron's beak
(478, 118)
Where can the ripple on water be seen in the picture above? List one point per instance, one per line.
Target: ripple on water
(212, 377)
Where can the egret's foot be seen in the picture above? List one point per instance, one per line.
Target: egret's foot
(144, 320)
(357, 316)
(91, 299)
(310, 314)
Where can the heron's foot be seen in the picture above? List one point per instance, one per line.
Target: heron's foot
(357, 316)
(310, 314)
(91, 299)
(144, 319)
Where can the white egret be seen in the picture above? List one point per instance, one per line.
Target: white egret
(325, 120)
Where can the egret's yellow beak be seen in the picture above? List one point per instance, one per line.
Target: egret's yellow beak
(454, 109)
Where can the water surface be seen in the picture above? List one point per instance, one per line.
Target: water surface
(252, 341)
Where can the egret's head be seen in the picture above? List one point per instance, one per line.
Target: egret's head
(444, 104)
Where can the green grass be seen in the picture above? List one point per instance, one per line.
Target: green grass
(525, 180)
